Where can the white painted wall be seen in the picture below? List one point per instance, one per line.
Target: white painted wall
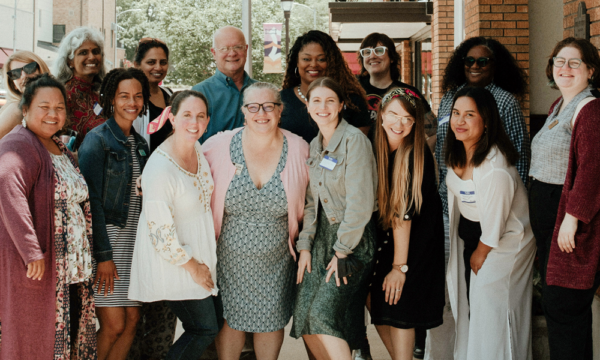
(34, 22)
(545, 30)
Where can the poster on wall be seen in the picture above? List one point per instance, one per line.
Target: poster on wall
(272, 44)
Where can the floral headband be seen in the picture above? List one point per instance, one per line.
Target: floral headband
(400, 92)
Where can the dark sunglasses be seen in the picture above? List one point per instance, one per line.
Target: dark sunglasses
(29, 69)
(481, 62)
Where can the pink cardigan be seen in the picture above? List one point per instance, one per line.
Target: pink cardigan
(294, 177)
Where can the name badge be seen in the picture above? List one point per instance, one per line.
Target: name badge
(444, 120)
(328, 163)
(553, 124)
(142, 152)
(97, 109)
(467, 197)
(238, 168)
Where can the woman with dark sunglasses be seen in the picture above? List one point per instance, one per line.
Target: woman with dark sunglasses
(18, 68)
(476, 62)
(80, 66)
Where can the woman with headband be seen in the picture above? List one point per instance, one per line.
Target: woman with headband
(175, 257)
(407, 289)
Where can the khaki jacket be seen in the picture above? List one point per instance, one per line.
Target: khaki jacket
(347, 193)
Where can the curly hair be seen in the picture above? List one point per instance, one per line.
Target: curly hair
(66, 52)
(337, 68)
(371, 41)
(512, 78)
(111, 82)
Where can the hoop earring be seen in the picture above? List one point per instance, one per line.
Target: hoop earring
(24, 123)
(296, 71)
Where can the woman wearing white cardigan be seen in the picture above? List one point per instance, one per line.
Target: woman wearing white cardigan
(491, 243)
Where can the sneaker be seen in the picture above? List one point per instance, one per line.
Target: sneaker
(361, 354)
(418, 353)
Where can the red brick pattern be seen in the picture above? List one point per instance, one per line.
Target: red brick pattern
(570, 12)
(442, 41)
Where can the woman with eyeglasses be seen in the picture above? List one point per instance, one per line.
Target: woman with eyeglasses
(314, 55)
(80, 66)
(407, 289)
(479, 62)
(152, 57)
(492, 250)
(260, 178)
(564, 198)
(18, 68)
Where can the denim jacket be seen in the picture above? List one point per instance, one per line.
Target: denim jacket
(107, 165)
(347, 193)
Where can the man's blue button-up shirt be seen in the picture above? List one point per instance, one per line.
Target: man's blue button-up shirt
(224, 102)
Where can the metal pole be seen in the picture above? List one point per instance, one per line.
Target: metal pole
(15, 28)
(115, 45)
(247, 30)
(287, 32)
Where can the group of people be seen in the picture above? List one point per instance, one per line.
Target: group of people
(239, 204)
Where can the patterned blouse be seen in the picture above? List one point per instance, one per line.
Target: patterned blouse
(81, 99)
(72, 190)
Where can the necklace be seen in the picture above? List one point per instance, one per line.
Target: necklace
(301, 94)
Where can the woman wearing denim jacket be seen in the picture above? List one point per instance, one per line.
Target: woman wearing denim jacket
(112, 157)
(337, 243)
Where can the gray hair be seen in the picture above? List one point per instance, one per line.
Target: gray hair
(214, 45)
(263, 86)
(67, 48)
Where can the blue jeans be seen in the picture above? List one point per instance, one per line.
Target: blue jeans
(201, 320)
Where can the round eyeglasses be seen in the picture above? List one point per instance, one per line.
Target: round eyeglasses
(267, 107)
(559, 62)
(379, 51)
(392, 119)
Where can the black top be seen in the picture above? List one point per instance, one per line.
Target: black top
(375, 94)
(295, 117)
(161, 135)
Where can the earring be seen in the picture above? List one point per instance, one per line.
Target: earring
(24, 123)
(205, 131)
(296, 71)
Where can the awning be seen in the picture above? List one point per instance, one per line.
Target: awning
(4, 54)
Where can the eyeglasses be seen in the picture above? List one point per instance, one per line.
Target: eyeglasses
(29, 69)
(255, 107)
(559, 62)
(481, 62)
(150, 40)
(236, 48)
(392, 119)
(379, 51)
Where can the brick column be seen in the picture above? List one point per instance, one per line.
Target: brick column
(406, 60)
(442, 42)
(570, 12)
(506, 21)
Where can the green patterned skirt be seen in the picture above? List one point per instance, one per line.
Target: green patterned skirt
(323, 308)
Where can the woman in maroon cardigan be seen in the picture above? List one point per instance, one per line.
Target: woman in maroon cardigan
(572, 274)
(46, 297)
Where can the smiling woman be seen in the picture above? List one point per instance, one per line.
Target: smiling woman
(112, 157)
(80, 66)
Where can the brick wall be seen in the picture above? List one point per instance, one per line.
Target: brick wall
(406, 60)
(442, 42)
(570, 12)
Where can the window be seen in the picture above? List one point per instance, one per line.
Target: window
(58, 33)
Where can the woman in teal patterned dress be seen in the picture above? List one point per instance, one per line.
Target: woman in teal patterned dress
(260, 177)
(337, 243)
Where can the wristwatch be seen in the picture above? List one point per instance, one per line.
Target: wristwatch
(402, 268)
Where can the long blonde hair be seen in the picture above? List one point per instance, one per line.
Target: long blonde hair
(13, 94)
(397, 198)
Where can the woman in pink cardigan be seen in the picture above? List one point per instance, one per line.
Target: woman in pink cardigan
(260, 177)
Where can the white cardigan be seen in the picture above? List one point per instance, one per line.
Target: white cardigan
(500, 295)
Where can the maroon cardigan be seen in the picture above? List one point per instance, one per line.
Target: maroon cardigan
(581, 198)
(27, 307)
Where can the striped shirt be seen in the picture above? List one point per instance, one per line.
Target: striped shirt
(514, 125)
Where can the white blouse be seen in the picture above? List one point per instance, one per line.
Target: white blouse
(466, 199)
(176, 225)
